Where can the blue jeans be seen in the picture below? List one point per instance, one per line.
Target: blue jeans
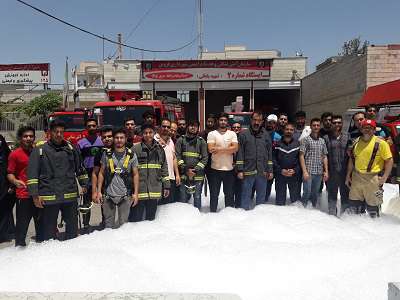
(185, 196)
(260, 183)
(311, 189)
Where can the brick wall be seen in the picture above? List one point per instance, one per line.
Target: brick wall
(383, 64)
(336, 87)
(282, 68)
(339, 86)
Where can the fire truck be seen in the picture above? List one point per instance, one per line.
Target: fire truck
(74, 121)
(114, 112)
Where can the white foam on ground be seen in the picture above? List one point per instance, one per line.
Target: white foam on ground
(268, 253)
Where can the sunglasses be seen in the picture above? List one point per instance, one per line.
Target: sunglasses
(165, 126)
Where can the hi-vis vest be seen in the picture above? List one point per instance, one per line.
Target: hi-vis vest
(153, 170)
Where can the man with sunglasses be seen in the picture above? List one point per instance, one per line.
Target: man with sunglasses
(163, 137)
(89, 146)
(338, 144)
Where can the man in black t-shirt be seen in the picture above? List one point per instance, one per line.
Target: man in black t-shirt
(107, 139)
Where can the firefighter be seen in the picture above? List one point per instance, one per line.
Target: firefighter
(192, 156)
(53, 169)
(153, 175)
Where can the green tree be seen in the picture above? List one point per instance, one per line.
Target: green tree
(353, 47)
(41, 105)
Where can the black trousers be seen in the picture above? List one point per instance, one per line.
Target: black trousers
(238, 192)
(214, 180)
(7, 227)
(49, 216)
(25, 211)
(281, 184)
(146, 207)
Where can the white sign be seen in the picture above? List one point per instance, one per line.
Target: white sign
(25, 74)
(206, 70)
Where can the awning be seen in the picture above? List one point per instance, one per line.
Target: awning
(386, 93)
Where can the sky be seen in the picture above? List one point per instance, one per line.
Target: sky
(318, 29)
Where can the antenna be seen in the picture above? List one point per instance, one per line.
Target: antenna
(200, 27)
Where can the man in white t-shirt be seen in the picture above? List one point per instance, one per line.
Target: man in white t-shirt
(222, 144)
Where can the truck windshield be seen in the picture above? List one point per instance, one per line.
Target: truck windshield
(74, 123)
(116, 115)
(243, 119)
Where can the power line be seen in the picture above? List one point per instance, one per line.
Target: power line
(102, 37)
(138, 23)
(142, 19)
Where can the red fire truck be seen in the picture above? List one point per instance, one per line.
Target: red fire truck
(114, 112)
(74, 121)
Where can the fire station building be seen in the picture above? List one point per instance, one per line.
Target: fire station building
(259, 79)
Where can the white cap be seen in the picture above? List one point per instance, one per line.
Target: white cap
(272, 118)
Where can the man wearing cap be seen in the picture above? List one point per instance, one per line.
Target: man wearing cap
(369, 166)
(271, 126)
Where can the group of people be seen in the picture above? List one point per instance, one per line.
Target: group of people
(130, 171)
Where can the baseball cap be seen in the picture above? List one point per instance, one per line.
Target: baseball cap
(368, 122)
(272, 118)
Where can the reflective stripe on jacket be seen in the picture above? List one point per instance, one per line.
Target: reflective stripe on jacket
(153, 170)
(255, 153)
(53, 171)
(191, 153)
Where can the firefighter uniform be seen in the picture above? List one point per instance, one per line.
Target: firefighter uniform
(153, 178)
(52, 173)
(254, 159)
(191, 153)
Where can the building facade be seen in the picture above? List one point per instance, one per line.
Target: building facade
(340, 82)
(261, 78)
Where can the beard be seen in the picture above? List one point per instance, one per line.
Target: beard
(181, 131)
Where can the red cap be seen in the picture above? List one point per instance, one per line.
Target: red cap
(368, 122)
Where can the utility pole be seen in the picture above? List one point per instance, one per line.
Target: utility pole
(119, 50)
(103, 47)
(200, 28)
(66, 85)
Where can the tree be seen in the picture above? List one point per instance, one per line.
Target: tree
(352, 47)
(41, 105)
